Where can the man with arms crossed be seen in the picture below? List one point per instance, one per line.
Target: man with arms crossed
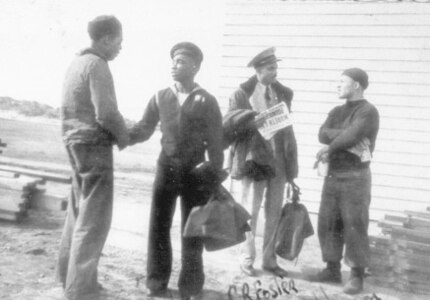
(349, 135)
(91, 125)
(191, 125)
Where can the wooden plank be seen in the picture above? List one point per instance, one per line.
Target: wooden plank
(35, 173)
(328, 20)
(46, 201)
(11, 200)
(18, 183)
(410, 235)
(234, 64)
(332, 8)
(423, 247)
(419, 214)
(327, 42)
(340, 53)
(11, 216)
(417, 223)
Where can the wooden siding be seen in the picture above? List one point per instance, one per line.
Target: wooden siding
(316, 40)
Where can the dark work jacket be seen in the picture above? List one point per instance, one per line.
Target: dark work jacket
(187, 131)
(240, 151)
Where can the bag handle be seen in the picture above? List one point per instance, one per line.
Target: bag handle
(293, 192)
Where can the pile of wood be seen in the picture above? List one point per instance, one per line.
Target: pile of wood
(19, 193)
(400, 257)
(24, 188)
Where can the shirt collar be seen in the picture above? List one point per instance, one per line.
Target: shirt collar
(91, 50)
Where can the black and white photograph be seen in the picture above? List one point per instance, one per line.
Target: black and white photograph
(215, 150)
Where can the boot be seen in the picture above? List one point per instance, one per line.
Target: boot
(330, 274)
(354, 285)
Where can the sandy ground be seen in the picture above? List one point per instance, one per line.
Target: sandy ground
(28, 253)
(28, 250)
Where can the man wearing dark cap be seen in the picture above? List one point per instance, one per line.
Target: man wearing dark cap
(91, 125)
(259, 93)
(191, 125)
(349, 134)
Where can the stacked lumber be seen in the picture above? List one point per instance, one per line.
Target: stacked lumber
(20, 193)
(400, 257)
(14, 195)
(23, 187)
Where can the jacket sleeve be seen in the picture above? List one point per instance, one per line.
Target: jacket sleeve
(363, 125)
(105, 104)
(144, 129)
(215, 134)
(238, 100)
(326, 133)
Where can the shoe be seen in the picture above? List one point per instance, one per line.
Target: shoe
(162, 293)
(248, 270)
(278, 271)
(353, 286)
(327, 275)
(330, 274)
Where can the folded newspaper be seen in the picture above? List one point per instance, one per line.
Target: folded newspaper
(272, 120)
(362, 150)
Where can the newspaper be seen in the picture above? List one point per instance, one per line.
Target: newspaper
(362, 150)
(272, 120)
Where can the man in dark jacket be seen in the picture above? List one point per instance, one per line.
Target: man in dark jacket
(91, 125)
(349, 134)
(259, 93)
(191, 124)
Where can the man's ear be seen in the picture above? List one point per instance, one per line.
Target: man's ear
(356, 85)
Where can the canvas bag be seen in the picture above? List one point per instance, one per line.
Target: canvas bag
(221, 223)
(294, 227)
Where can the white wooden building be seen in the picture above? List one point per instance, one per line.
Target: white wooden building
(316, 40)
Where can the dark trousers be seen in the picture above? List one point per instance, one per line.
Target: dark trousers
(344, 217)
(88, 219)
(171, 182)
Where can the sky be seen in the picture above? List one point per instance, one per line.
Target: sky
(39, 39)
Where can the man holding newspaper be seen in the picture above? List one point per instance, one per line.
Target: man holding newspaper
(266, 160)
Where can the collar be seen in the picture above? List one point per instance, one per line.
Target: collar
(91, 50)
(175, 90)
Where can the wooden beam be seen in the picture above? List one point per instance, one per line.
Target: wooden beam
(419, 214)
(11, 200)
(35, 173)
(46, 201)
(12, 216)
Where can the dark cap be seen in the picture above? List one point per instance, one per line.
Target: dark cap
(189, 49)
(264, 58)
(358, 75)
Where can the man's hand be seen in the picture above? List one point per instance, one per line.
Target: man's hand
(322, 155)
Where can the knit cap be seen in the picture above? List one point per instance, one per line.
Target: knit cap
(358, 75)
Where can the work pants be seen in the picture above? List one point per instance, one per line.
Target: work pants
(88, 219)
(253, 193)
(171, 182)
(344, 217)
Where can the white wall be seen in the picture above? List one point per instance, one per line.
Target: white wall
(316, 41)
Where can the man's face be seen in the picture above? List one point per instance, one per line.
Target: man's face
(113, 46)
(346, 87)
(183, 68)
(267, 74)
